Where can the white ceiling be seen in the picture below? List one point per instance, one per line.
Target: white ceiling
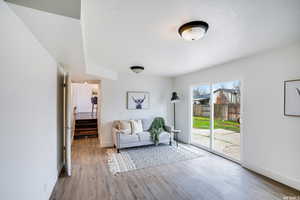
(70, 8)
(63, 38)
(60, 35)
(113, 35)
(121, 33)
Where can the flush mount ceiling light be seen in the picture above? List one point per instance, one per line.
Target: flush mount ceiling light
(137, 69)
(194, 30)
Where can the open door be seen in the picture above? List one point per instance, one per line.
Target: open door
(67, 124)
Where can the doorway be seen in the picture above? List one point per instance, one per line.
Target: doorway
(216, 118)
(85, 104)
(81, 105)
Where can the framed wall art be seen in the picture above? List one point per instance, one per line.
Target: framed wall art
(292, 98)
(138, 100)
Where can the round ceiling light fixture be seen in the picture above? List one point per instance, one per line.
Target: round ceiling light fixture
(137, 69)
(194, 30)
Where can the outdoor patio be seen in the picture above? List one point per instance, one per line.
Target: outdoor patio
(226, 141)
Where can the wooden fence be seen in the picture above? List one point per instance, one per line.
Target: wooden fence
(229, 112)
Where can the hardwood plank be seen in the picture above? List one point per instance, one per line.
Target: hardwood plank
(209, 177)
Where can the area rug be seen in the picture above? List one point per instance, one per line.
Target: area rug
(149, 156)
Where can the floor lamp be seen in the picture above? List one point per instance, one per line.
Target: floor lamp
(174, 99)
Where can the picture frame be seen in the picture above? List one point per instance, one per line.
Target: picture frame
(292, 98)
(138, 100)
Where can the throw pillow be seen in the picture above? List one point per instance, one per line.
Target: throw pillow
(117, 125)
(137, 126)
(125, 127)
(147, 124)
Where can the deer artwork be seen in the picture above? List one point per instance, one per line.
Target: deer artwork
(138, 102)
(298, 90)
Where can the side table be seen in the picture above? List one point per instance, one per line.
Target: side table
(176, 132)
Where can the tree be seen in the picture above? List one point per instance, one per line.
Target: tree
(196, 93)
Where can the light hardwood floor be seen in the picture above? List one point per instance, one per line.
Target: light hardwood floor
(206, 178)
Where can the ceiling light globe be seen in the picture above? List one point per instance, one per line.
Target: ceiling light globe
(194, 30)
(195, 33)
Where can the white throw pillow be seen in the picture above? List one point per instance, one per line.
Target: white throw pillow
(125, 127)
(137, 126)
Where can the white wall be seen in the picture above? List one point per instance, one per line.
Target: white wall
(81, 96)
(113, 102)
(61, 36)
(28, 119)
(270, 140)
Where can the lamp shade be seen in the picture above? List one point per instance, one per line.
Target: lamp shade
(174, 98)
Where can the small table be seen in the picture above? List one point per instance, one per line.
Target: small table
(176, 132)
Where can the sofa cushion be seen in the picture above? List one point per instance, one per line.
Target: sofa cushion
(137, 126)
(144, 136)
(164, 136)
(146, 124)
(124, 139)
(125, 127)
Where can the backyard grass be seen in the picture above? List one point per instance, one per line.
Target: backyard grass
(204, 123)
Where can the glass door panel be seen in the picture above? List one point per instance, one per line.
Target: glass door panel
(201, 131)
(226, 117)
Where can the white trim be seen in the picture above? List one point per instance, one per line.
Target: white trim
(190, 117)
(60, 168)
(242, 146)
(211, 119)
(273, 175)
(51, 187)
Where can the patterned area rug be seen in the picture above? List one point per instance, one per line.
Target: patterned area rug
(149, 156)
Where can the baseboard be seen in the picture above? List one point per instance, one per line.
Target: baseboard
(52, 186)
(60, 168)
(275, 176)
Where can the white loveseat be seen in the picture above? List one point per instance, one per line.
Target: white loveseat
(125, 140)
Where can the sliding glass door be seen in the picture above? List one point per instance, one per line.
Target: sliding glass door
(201, 132)
(216, 118)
